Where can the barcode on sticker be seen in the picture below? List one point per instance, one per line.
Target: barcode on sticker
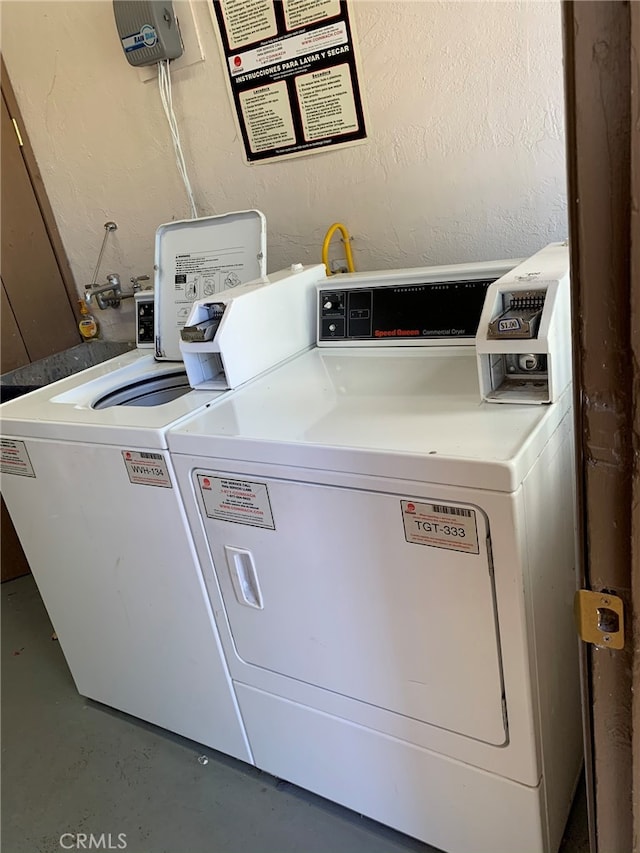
(452, 510)
(151, 455)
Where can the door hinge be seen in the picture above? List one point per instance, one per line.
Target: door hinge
(18, 134)
(599, 618)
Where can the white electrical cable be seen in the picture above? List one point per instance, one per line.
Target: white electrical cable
(164, 84)
(164, 80)
(167, 101)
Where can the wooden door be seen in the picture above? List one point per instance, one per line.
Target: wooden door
(14, 351)
(33, 287)
(37, 309)
(602, 70)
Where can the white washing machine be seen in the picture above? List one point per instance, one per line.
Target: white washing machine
(91, 489)
(391, 561)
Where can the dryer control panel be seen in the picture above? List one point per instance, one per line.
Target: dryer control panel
(402, 313)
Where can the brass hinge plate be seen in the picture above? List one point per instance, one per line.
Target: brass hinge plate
(18, 134)
(599, 618)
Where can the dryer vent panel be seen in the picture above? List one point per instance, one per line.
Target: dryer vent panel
(148, 31)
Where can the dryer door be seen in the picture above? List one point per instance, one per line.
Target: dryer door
(384, 598)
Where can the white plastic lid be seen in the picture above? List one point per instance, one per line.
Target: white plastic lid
(195, 258)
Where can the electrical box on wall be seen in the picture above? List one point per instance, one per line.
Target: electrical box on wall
(148, 30)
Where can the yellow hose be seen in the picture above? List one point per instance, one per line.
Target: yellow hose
(346, 239)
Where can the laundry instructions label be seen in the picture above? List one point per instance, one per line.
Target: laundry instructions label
(292, 75)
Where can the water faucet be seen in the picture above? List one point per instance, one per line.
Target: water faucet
(135, 282)
(110, 295)
(113, 279)
(107, 295)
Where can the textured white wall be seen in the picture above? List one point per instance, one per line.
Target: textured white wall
(465, 159)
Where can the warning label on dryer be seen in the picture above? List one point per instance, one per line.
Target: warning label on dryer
(238, 501)
(441, 526)
(15, 459)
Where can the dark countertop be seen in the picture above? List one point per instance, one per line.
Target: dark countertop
(17, 382)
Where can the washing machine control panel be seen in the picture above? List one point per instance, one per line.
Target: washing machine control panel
(145, 310)
(401, 313)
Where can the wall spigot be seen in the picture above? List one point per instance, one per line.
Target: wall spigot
(113, 280)
(135, 282)
(107, 295)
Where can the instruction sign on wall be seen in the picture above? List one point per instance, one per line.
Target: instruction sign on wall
(292, 75)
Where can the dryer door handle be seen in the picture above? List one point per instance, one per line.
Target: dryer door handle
(243, 575)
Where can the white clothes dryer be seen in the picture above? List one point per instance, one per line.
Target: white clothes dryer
(392, 564)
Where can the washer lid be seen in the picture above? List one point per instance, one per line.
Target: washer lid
(195, 258)
(70, 410)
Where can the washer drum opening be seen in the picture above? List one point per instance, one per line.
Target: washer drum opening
(154, 391)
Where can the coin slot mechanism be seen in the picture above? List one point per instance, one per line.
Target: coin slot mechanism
(520, 316)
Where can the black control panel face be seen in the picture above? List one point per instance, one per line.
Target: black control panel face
(145, 322)
(441, 309)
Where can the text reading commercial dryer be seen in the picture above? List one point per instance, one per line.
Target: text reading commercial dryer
(392, 562)
(92, 492)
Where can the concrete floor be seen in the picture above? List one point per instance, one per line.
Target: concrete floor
(72, 766)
